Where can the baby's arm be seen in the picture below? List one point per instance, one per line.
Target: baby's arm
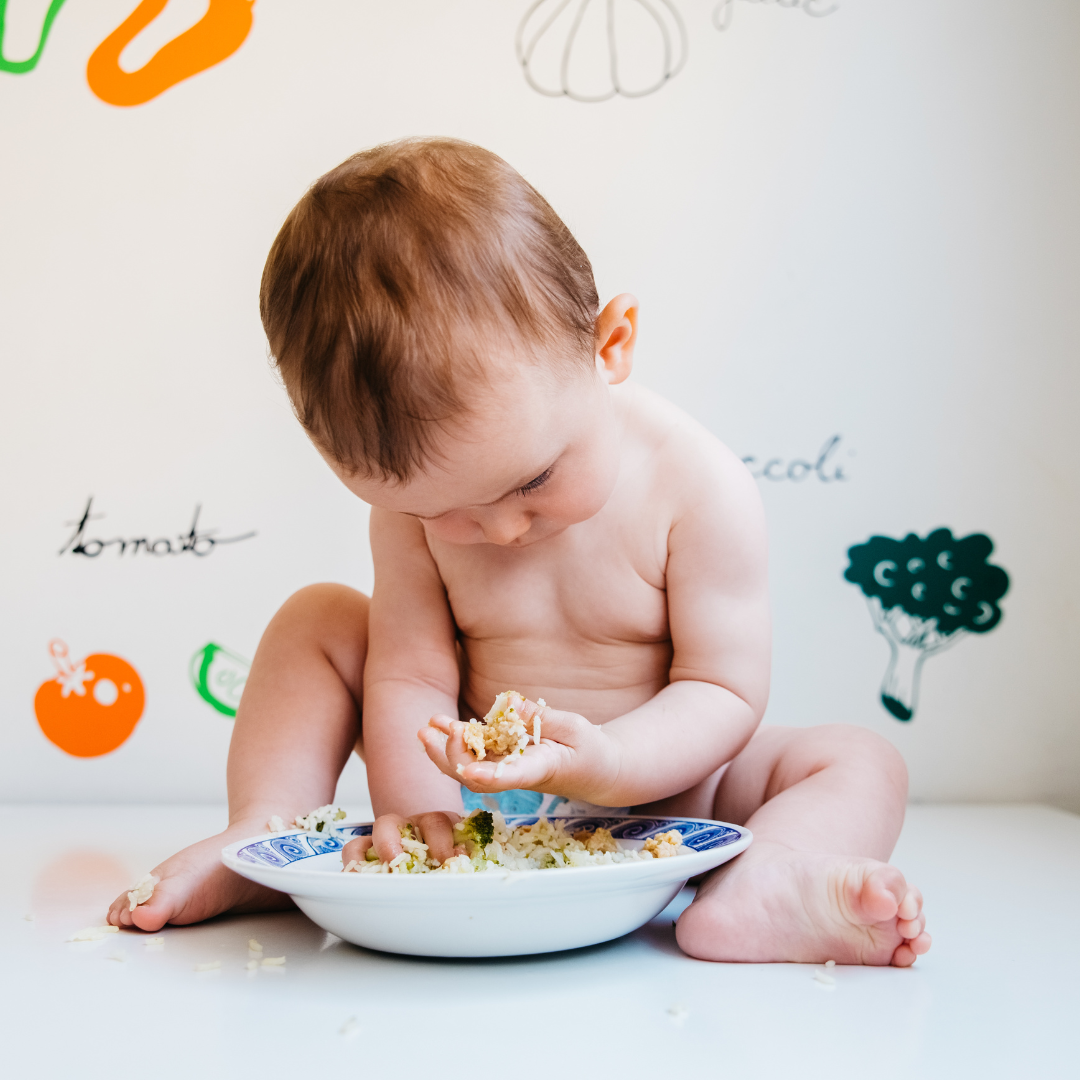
(718, 611)
(411, 672)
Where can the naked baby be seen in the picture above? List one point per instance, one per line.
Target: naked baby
(541, 524)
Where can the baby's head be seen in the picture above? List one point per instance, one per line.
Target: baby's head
(437, 329)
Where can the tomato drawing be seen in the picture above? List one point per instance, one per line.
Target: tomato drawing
(90, 708)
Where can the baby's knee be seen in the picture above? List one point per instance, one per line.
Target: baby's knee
(325, 613)
(849, 744)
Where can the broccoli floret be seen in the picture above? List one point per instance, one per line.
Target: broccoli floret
(479, 827)
(924, 595)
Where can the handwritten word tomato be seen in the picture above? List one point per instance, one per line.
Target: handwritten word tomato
(90, 708)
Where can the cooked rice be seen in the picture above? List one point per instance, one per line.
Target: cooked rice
(273, 961)
(275, 824)
(321, 820)
(94, 933)
(254, 946)
(664, 844)
(504, 731)
(142, 892)
(544, 845)
(154, 942)
(210, 965)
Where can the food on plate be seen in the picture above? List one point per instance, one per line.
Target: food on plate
(488, 843)
(506, 729)
(664, 844)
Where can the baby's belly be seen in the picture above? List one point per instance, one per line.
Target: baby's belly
(598, 680)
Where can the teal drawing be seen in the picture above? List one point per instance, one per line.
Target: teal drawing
(924, 596)
(21, 67)
(218, 676)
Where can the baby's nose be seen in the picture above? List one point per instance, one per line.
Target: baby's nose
(504, 528)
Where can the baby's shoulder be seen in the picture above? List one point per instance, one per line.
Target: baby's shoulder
(687, 466)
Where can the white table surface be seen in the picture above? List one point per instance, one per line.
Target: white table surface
(997, 996)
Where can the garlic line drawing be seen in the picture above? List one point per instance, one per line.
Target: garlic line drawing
(593, 50)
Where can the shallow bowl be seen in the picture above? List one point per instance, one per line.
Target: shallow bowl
(496, 913)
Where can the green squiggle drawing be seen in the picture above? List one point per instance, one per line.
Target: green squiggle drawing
(21, 67)
(218, 676)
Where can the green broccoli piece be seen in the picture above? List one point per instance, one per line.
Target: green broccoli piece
(479, 828)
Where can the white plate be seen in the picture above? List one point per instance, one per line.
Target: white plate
(487, 914)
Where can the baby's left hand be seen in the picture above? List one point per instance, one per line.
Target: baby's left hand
(575, 759)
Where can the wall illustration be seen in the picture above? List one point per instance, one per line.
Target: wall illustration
(554, 38)
(586, 50)
(90, 708)
(219, 676)
(215, 37)
(924, 596)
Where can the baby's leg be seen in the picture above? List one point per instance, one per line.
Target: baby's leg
(825, 805)
(298, 721)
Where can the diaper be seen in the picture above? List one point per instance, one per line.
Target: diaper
(523, 801)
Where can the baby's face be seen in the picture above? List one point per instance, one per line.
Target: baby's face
(538, 455)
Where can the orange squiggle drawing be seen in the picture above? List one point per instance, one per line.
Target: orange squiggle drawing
(215, 37)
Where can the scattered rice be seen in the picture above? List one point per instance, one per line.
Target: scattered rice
(275, 824)
(29, 918)
(492, 845)
(254, 946)
(152, 941)
(210, 965)
(349, 1028)
(142, 891)
(825, 980)
(321, 820)
(678, 1014)
(253, 965)
(830, 963)
(94, 933)
(273, 961)
(117, 956)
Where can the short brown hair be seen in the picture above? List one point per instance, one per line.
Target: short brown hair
(389, 272)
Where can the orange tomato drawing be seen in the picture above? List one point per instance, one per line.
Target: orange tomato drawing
(215, 37)
(91, 708)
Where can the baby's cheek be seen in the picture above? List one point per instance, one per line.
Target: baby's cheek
(455, 529)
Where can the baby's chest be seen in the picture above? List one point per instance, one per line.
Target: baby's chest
(597, 596)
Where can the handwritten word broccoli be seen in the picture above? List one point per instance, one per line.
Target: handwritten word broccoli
(924, 596)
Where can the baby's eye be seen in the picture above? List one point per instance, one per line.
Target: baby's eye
(539, 482)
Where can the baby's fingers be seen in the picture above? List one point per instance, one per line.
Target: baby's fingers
(355, 850)
(386, 836)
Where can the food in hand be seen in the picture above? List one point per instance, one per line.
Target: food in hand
(506, 729)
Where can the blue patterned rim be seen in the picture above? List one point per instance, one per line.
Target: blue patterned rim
(696, 835)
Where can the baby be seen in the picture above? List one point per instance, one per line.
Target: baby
(538, 523)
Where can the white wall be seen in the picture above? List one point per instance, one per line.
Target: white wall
(864, 224)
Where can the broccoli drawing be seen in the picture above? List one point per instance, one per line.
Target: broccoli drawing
(924, 596)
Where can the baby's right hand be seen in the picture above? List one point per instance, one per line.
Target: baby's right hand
(436, 829)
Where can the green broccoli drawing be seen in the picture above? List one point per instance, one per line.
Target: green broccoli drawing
(924, 595)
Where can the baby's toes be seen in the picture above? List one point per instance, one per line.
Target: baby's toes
(911, 928)
(911, 904)
(905, 953)
(879, 897)
(119, 915)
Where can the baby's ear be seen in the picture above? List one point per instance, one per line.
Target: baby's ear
(616, 335)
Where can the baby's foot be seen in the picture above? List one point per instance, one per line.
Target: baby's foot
(194, 885)
(777, 904)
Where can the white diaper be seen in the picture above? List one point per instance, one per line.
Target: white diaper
(523, 801)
